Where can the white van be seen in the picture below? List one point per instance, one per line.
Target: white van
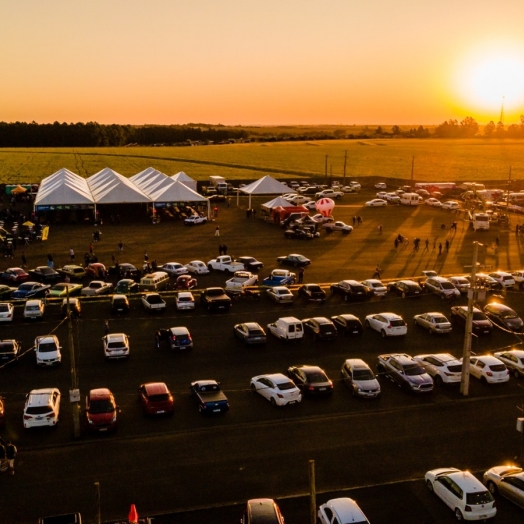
(287, 328)
(410, 199)
(156, 281)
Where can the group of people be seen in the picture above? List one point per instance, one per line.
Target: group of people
(8, 454)
(222, 249)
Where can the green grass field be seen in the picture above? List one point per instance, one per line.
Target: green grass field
(434, 160)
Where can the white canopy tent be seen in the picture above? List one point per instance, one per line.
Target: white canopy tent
(63, 188)
(178, 192)
(277, 202)
(186, 180)
(150, 179)
(265, 186)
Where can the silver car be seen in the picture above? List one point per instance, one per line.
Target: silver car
(508, 481)
(281, 295)
(434, 322)
(358, 376)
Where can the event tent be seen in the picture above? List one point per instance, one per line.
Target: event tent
(110, 187)
(63, 188)
(185, 179)
(265, 186)
(277, 202)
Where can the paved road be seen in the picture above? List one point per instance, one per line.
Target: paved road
(189, 461)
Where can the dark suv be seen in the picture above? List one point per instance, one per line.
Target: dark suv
(405, 288)
(406, 372)
(481, 324)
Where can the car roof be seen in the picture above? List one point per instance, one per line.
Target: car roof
(320, 320)
(33, 302)
(517, 352)
(185, 294)
(40, 397)
(179, 330)
(467, 481)
(445, 358)
(119, 297)
(347, 510)
(99, 394)
(389, 316)
(252, 325)
(356, 363)
(156, 388)
(116, 336)
(488, 359)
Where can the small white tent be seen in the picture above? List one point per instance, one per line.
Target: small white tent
(265, 186)
(277, 202)
(186, 180)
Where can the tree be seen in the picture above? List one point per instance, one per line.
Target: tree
(469, 127)
(489, 130)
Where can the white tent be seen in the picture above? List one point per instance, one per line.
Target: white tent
(265, 186)
(185, 179)
(63, 188)
(277, 202)
(110, 187)
(150, 179)
(178, 192)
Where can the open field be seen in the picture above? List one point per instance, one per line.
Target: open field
(434, 160)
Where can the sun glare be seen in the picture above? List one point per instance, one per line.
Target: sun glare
(489, 79)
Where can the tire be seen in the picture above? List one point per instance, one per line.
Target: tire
(516, 373)
(430, 331)
(383, 334)
(403, 294)
(429, 485)
(367, 323)
(458, 515)
(492, 488)
(253, 388)
(273, 401)
(483, 380)
(438, 380)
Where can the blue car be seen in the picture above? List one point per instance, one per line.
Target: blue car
(280, 277)
(31, 290)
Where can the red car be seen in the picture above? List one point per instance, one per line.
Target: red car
(101, 411)
(15, 274)
(186, 282)
(156, 399)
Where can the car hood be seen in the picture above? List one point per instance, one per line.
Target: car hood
(367, 384)
(419, 379)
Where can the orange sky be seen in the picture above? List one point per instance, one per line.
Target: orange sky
(252, 62)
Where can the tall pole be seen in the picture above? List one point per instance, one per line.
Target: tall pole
(345, 164)
(312, 494)
(466, 351)
(325, 167)
(97, 502)
(412, 167)
(74, 394)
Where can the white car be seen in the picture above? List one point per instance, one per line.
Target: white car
(358, 376)
(338, 226)
(280, 295)
(194, 220)
(321, 219)
(341, 510)
(277, 388)
(387, 324)
(506, 279)
(434, 322)
(7, 311)
(376, 202)
(153, 302)
(393, 198)
(514, 360)
(443, 367)
(466, 496)
(488, 369)
(518, 277)
(382, 195)
(461, 283)
(298, 200)
(507, 480)
(47, 350)
(173, 269)
(34, 309)
(450, 204)
(185, 300)
(434, 202)
(311, 205)
(116, 345)
(197, 267)
(376, 286)
(42, 408)
(381, 185)
(97, 287)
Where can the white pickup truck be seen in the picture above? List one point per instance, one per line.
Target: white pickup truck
(225, 263)
(329, 193)
(241, 280)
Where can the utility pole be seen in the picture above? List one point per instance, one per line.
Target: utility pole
(74, 393)
(97, 502)
(345, 163)
(473, 295)
(312, 494)
(325, 167)
(412, 167)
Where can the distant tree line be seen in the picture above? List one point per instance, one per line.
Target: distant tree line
(469, 128)
(92, 134)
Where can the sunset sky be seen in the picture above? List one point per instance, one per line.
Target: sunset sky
(261, 62)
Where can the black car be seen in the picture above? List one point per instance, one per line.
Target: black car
(405, 288)
(120, 304)
(481, 324)
(123, 270)
(5, 291)
(250, 263)
(348, 324)
(298, 233)
(9, 350)
(351, 290)
(504, 316)
(250, 333)
(311, 380)
(294, 260)
(31, 290)
(45, 274)
(312, 292)
(321, 328)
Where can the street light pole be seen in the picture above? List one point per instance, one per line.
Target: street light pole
(74, 393)
(466, 351)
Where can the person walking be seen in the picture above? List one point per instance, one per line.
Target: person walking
(427, 245)
(106, 327)
(71, 254)
(376, 274)
(11, 452)
(301, 271)
(224, 249)
(447, 246)
(440, 248)
(380, 229)
(24, 260)
(217, 231)
(146, 256)
(120, 247)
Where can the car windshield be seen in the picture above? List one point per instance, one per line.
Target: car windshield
(161, 397)
(314, 289)
(397, 323)
(26, 287)
(285, 386)
(413, 369)
(363, 374)
(315, 377)
(115, 345)
(498, 367)
(4, 308)
(477, 315)
(440, 320)
(101, 406)
(480, 497)
(447, 285)
(6, 346)
(47, 347)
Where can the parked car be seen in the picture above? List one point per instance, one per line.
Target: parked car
(503, 316)
(357, 375)
(488, 369)
(97, 287)
(42, 408)
(116, 345)
(101, 411)
(9, 350)
(120, 304)
(72, 271)
(7, 312)
(6, 292)
(443, 367)
(350, 290)
(280, 277)
(381, 185)
(280, 295)
(48, 351)
(44, 274)
(124, 270)
(184, 300)
(518, 277)
(348, 324)
(387, 324)
(442, 287)
(485, 281)
(250, 263)
(194, 220)
(153, 303)
(461, 283)
(466, 496)
(127, 286)
(508, 481)
(406, 372)
(514, 360)
(434, 322)
(481, 324)
(34, 309)
(156, 399)
(197, 267)
(15, 275)
(450, 205)
(177, 337)
(96, 270)
(74, 307)
(294, 260)
(375, 286)
(31, 290)
(377, 202)
(312, 292)
(186, 282)
(503, 278)
(250, 333)
(277, 388)
(405, 288)
(321, 328)
(209, 396)
(434, 202)
(311, 380)
(215, 299)
(300, 233)
(173, 269)
(62, 289)
(341, 510)
(261, 511)
(338, 226)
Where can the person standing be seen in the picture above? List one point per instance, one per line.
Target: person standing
(427, 245)
(11, 452)
(106, 327)
(440, 248)
(146, 256)
(120, 247)
(217, 231)
(71, 254)
(301, 275)
(376, 274)
(24, 260)
(447, 246)
(224, 249)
